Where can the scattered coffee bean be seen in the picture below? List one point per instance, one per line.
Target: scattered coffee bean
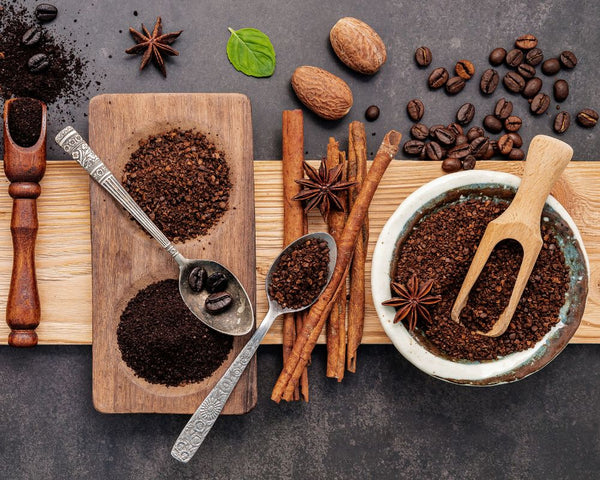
(561, 90)
(451, 164)
(516, 138)
(532, 87)
(526, 71)
(216, 282)
(419, 131)
(534, 57)
(434, 151)
(460, 151)
(505, 144)
(489, 81)
(514, 82)
(540, 104)
(415, 109)
(562, 122)
(516, 154)
(513, 123)
(587, 118)
(433, 129)
(455, 128)
(455, 85)
(218, 302)
(465, 113)
(197, 279)
(438, 78)
(45, 12)
(503, 109)
(497, 56)
(475, 132)
(568, 59)
(31, 37)
(551, 66)
(489, 153)
(38, 63)
(479, 146)
(423, 56)
(469, 162)
(414, 147)
(492, 124)
(514, 58)
(461, 140)
(372, 113)
(464, 69)
(526, 42)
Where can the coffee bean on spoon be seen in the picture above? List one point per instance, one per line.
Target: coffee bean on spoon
(464, 69)
(492, 124)
(512, 123)
(514, 82)
(413, 147)
(434, 151)
(438, 78)
(197, 279)
(551, 66)
(489, 81)
(45, 12)
(451, 164)
(423, 56)
(526, 71)
(455, 85)
(526, 42)
(562, 122)
(587, 118)
(419, 131)
(505, 144)
(561, 90)
(568, 59)
(38, 63)
(475, 132)
(216, 282)
(540, 104)
(534, 57)
(516, 138)
(532, 87)
(31, 37)
(503, 109)
(497, 56)
(514, 58)
(218, 302)
(465, 113)
(415, 109)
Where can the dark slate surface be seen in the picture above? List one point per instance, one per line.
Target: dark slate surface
(389, 420)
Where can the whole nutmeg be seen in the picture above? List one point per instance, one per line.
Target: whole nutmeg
(322, 92)
(358, 45)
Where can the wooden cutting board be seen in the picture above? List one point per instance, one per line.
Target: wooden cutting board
(125, 259)
(64, 274)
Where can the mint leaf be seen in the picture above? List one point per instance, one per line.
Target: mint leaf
(251, 52)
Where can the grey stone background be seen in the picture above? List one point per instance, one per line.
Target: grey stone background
(389, 420)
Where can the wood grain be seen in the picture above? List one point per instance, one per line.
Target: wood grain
(125, 258)
(63, 246)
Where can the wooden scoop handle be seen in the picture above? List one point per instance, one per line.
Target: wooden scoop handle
(24, 168)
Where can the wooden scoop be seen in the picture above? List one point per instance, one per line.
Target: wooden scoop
(24, 167)
(546, 159)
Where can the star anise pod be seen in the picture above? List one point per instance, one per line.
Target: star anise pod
(153, 45)
(322, 188)
(410, 300)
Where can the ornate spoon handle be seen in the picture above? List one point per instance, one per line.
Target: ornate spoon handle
(72, 143)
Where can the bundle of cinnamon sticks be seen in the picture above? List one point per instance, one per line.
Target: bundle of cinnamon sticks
(342, 304)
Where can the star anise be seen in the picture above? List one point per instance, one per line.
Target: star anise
(410, 300)
(153, 45)
(322, 188)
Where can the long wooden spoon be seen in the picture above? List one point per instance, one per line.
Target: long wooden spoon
(547, 157)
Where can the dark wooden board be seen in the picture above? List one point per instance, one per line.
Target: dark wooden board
(125, 259)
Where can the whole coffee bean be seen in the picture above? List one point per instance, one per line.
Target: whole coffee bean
(218, 302)
(489, 81)
(38, 63)
(45, 12)
(534, 57)
(433, 129)
(568, 59)
(513, 123)
(587, 118)
(514, 82)
(419, 131)
(464, 69)
(489, 153)
(526, 71)
(562, 122)
(415, 109)
(434, 151)
(438, 78)
(526, 42)
(31, 37)
(503, 109)
(460, 151)
(372, 113)
(455, 128)
(492, 124)
(451, 164)
(465, 113)
(216, 282)
(423, 56)
(514, 58)
(516, 138)
(475, 132)
(479, 146)
(540, 104)
(461, 140)
(532, 87)
(423, 154)
(469, 162)
(561, 90)
(505, 144)
(497, 56)
(455, 85)
(414, 147)
(516, 154)
(551, 66)
(197, 279)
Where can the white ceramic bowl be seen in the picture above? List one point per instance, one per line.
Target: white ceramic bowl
(413, 347)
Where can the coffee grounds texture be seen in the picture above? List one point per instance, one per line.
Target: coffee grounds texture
(442, 247)
(164, 343)
(181, 181)
(25, 121)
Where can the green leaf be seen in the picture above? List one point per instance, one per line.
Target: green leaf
(251, 52)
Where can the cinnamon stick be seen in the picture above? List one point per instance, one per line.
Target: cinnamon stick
(357, 171)
(313, 324)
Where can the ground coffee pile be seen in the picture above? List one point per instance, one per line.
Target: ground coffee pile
(163, 342)
(25, 121)
(181, 181)
(441, 248)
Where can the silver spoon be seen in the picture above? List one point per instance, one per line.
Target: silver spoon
(239, 318)
(196, 430)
